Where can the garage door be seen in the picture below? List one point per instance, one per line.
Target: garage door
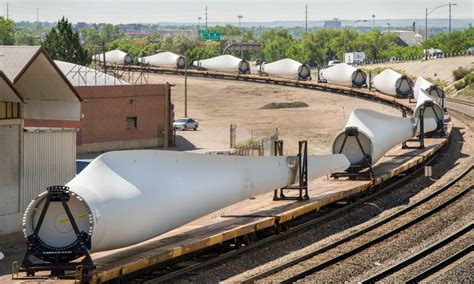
(9, 169)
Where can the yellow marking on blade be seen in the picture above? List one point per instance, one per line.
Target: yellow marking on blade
(77, 217)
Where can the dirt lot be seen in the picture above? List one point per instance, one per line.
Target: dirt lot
(441, 69)
(218, 103)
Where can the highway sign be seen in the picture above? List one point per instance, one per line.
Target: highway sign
(210, 35)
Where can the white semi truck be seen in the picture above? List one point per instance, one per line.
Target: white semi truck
(354, 57)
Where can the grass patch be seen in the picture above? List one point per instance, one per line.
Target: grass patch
(468, 91)
(438, 82)
(285, 105)
(251, 143)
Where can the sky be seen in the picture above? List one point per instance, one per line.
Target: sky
(188, 11)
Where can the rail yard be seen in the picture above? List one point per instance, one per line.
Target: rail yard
(252, 226)
(184, 163)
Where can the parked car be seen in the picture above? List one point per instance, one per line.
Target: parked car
(186, 123)
(470, 50)
(333, 62)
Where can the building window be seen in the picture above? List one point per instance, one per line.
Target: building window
(131, 122)
(9, 110)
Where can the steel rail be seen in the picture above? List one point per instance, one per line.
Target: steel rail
(461, 102)
(419, 255)
(359, 233)
(375, 241)
(442, 264)
(273, 238)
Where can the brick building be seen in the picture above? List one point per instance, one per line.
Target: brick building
(124, 117)
(119, 115)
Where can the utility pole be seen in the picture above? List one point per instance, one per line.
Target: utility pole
(426, 25)
(206, 17)
(240, 19)
(450, 4)
(306, 18)
(105, 62)
(37, 18)
(8, 12)
(373, 21)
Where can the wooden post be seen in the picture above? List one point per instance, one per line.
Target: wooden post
(185, 87)
(167, 116)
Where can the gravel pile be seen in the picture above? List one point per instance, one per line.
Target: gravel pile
(449, 164)
(285, 105)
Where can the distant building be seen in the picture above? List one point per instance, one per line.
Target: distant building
(39, 117)
(81, 25)
(408, 38)
(333, 24)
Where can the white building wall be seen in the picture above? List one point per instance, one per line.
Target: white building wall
(54, 110)
(10, 164)
(49, 159)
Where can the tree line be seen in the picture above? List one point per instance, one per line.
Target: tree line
(319, 46)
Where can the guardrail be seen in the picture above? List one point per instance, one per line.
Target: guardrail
(411, 58)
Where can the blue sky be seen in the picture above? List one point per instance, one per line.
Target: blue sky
(188, 11)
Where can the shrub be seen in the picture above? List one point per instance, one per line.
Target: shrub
(469, 79)
(460, 73)
(459, 85)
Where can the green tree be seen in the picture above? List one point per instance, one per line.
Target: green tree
(136, 48)
(376, 45)
(201, 52)
(456, 41)
(109, 33)
(62, 43)
(179, 43)
(7, 31)
(322, 45)
(275, 44)
(92, 41)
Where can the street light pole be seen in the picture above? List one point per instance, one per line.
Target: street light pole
(431, 11)
(240, 19)
(373, 21)
(426, 25)
(453, 4)
(388, 24)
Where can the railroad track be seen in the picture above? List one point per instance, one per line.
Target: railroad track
(326, 214)
(427, 251)
(364, 93)
(461, 102)
(328, 263)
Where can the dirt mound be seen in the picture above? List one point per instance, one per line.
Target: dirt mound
(285, 105)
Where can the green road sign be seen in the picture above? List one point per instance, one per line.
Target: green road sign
(210, 35)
